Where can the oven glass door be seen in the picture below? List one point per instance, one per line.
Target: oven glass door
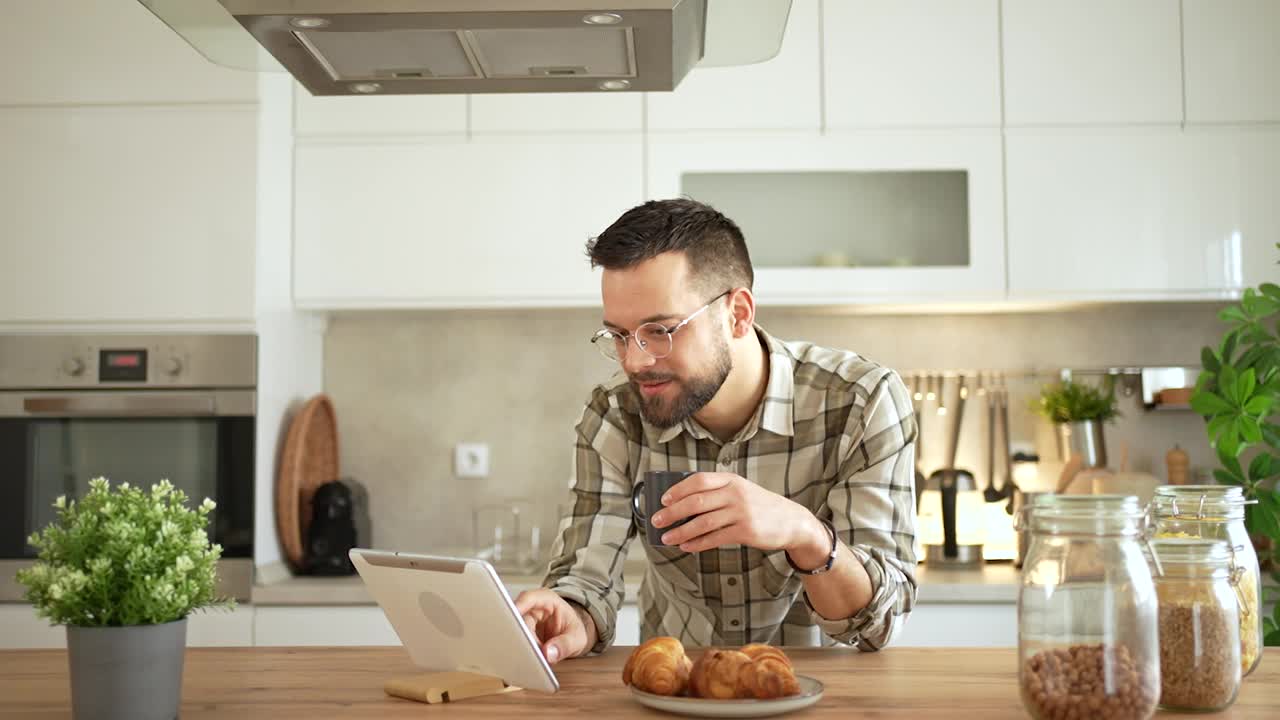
(42, 458)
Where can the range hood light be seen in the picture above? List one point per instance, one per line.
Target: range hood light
(615, 85)
(309, 23)
(366, 88)
(602, 19)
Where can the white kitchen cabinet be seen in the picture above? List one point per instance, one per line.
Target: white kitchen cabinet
(379, 116)
(1137, 215)
(1232, 60)
(782, 93)
(126, 213)
(960, 625)
(628, 630)
(904, 63)
(500, 222)
(60, 52)
(822, 226)
(322, 625)
(20, 628)
(580, 112)
(1092, 62)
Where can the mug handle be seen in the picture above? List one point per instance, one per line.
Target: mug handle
(635, 503)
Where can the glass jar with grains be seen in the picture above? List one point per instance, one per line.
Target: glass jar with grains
(1087, 611)
(1198, 586)
(1216, 512)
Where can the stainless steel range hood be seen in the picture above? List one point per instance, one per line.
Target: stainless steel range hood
(351, 47)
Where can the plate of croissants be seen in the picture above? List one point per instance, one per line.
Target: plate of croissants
(755, 680)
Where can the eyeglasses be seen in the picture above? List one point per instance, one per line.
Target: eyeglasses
(653, 339)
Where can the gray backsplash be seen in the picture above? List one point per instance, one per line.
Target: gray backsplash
(408, 386)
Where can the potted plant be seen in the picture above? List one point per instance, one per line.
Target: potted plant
(122, 568)
(1238, 393)
(1078, 412)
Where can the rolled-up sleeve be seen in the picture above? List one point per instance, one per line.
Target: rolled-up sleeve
(591, 545)
(872, 504)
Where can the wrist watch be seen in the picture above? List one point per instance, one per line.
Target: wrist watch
(831, 557)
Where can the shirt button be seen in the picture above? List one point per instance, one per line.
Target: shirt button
(734, 623)
(733, 581)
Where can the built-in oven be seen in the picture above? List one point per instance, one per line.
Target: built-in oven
(131, 408)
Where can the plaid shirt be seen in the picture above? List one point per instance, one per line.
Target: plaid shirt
(834, 433)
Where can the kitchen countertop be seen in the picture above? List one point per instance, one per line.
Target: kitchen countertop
(994, 583)
(251, 683)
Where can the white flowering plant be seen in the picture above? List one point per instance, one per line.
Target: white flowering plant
(124, 556)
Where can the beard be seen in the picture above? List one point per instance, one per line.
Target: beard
(694, 393)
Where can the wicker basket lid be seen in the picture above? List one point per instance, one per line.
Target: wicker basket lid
(309, 459)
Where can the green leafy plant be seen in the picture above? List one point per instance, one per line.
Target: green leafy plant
(124, 556)
(1238, 393)
(1067, 402)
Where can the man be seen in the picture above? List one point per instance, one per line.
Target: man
(800, 453)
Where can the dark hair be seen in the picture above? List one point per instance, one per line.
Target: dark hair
(711, 242)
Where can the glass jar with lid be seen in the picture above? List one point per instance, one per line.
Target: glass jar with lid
(1216, 512)
(1198, 586)
(1087, 610)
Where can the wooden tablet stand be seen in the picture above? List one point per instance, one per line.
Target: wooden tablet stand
(443, 687)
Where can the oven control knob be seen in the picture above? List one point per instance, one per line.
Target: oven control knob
(173, 366)
(73, 366)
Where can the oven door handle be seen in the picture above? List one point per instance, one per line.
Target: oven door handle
(120, 405)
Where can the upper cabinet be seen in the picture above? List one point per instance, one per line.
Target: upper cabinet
(68, 51)
(123, 214)
(500, 114)
(866, 217)
(500, 222)
(783, 93)
(1092, 62)
(388, 115)
(904, 63)
(1141, 214)
(1232, 50)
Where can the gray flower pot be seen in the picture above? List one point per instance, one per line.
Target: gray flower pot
(127, 673)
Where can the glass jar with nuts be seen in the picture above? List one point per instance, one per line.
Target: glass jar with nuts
(1216, 512)
(1199, 593)
(1087, 611)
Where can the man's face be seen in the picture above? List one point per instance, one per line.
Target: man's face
(659, 290)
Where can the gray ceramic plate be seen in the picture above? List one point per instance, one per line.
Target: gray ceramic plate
(810, 693)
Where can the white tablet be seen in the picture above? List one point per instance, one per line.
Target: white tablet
(454, 614)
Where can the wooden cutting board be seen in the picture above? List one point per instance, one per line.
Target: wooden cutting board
(309, 459)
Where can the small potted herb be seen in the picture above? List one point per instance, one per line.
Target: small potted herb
(1078, 412)
(123, 568)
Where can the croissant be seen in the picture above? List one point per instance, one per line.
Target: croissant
(658, 666)
(769, 674)
(716, 675)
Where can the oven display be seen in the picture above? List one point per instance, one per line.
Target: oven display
(122, 366)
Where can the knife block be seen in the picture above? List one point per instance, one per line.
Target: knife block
(444, 687)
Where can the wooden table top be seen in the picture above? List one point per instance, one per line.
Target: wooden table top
(250, 683)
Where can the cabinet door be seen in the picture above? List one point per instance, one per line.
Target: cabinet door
(919, 214)
(492, 223)
(1131, 215)
(1232, 60)
(583, 112)
(380, 116)
(61, 52)
(1092, 62)
(127, 214)
(911, 63)
(782, 93)
(322, 626)
(20, 628)
(976, 625)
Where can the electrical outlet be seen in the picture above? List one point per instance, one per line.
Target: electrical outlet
(471, 460)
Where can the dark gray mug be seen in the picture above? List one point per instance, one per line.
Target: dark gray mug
(656, 483)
